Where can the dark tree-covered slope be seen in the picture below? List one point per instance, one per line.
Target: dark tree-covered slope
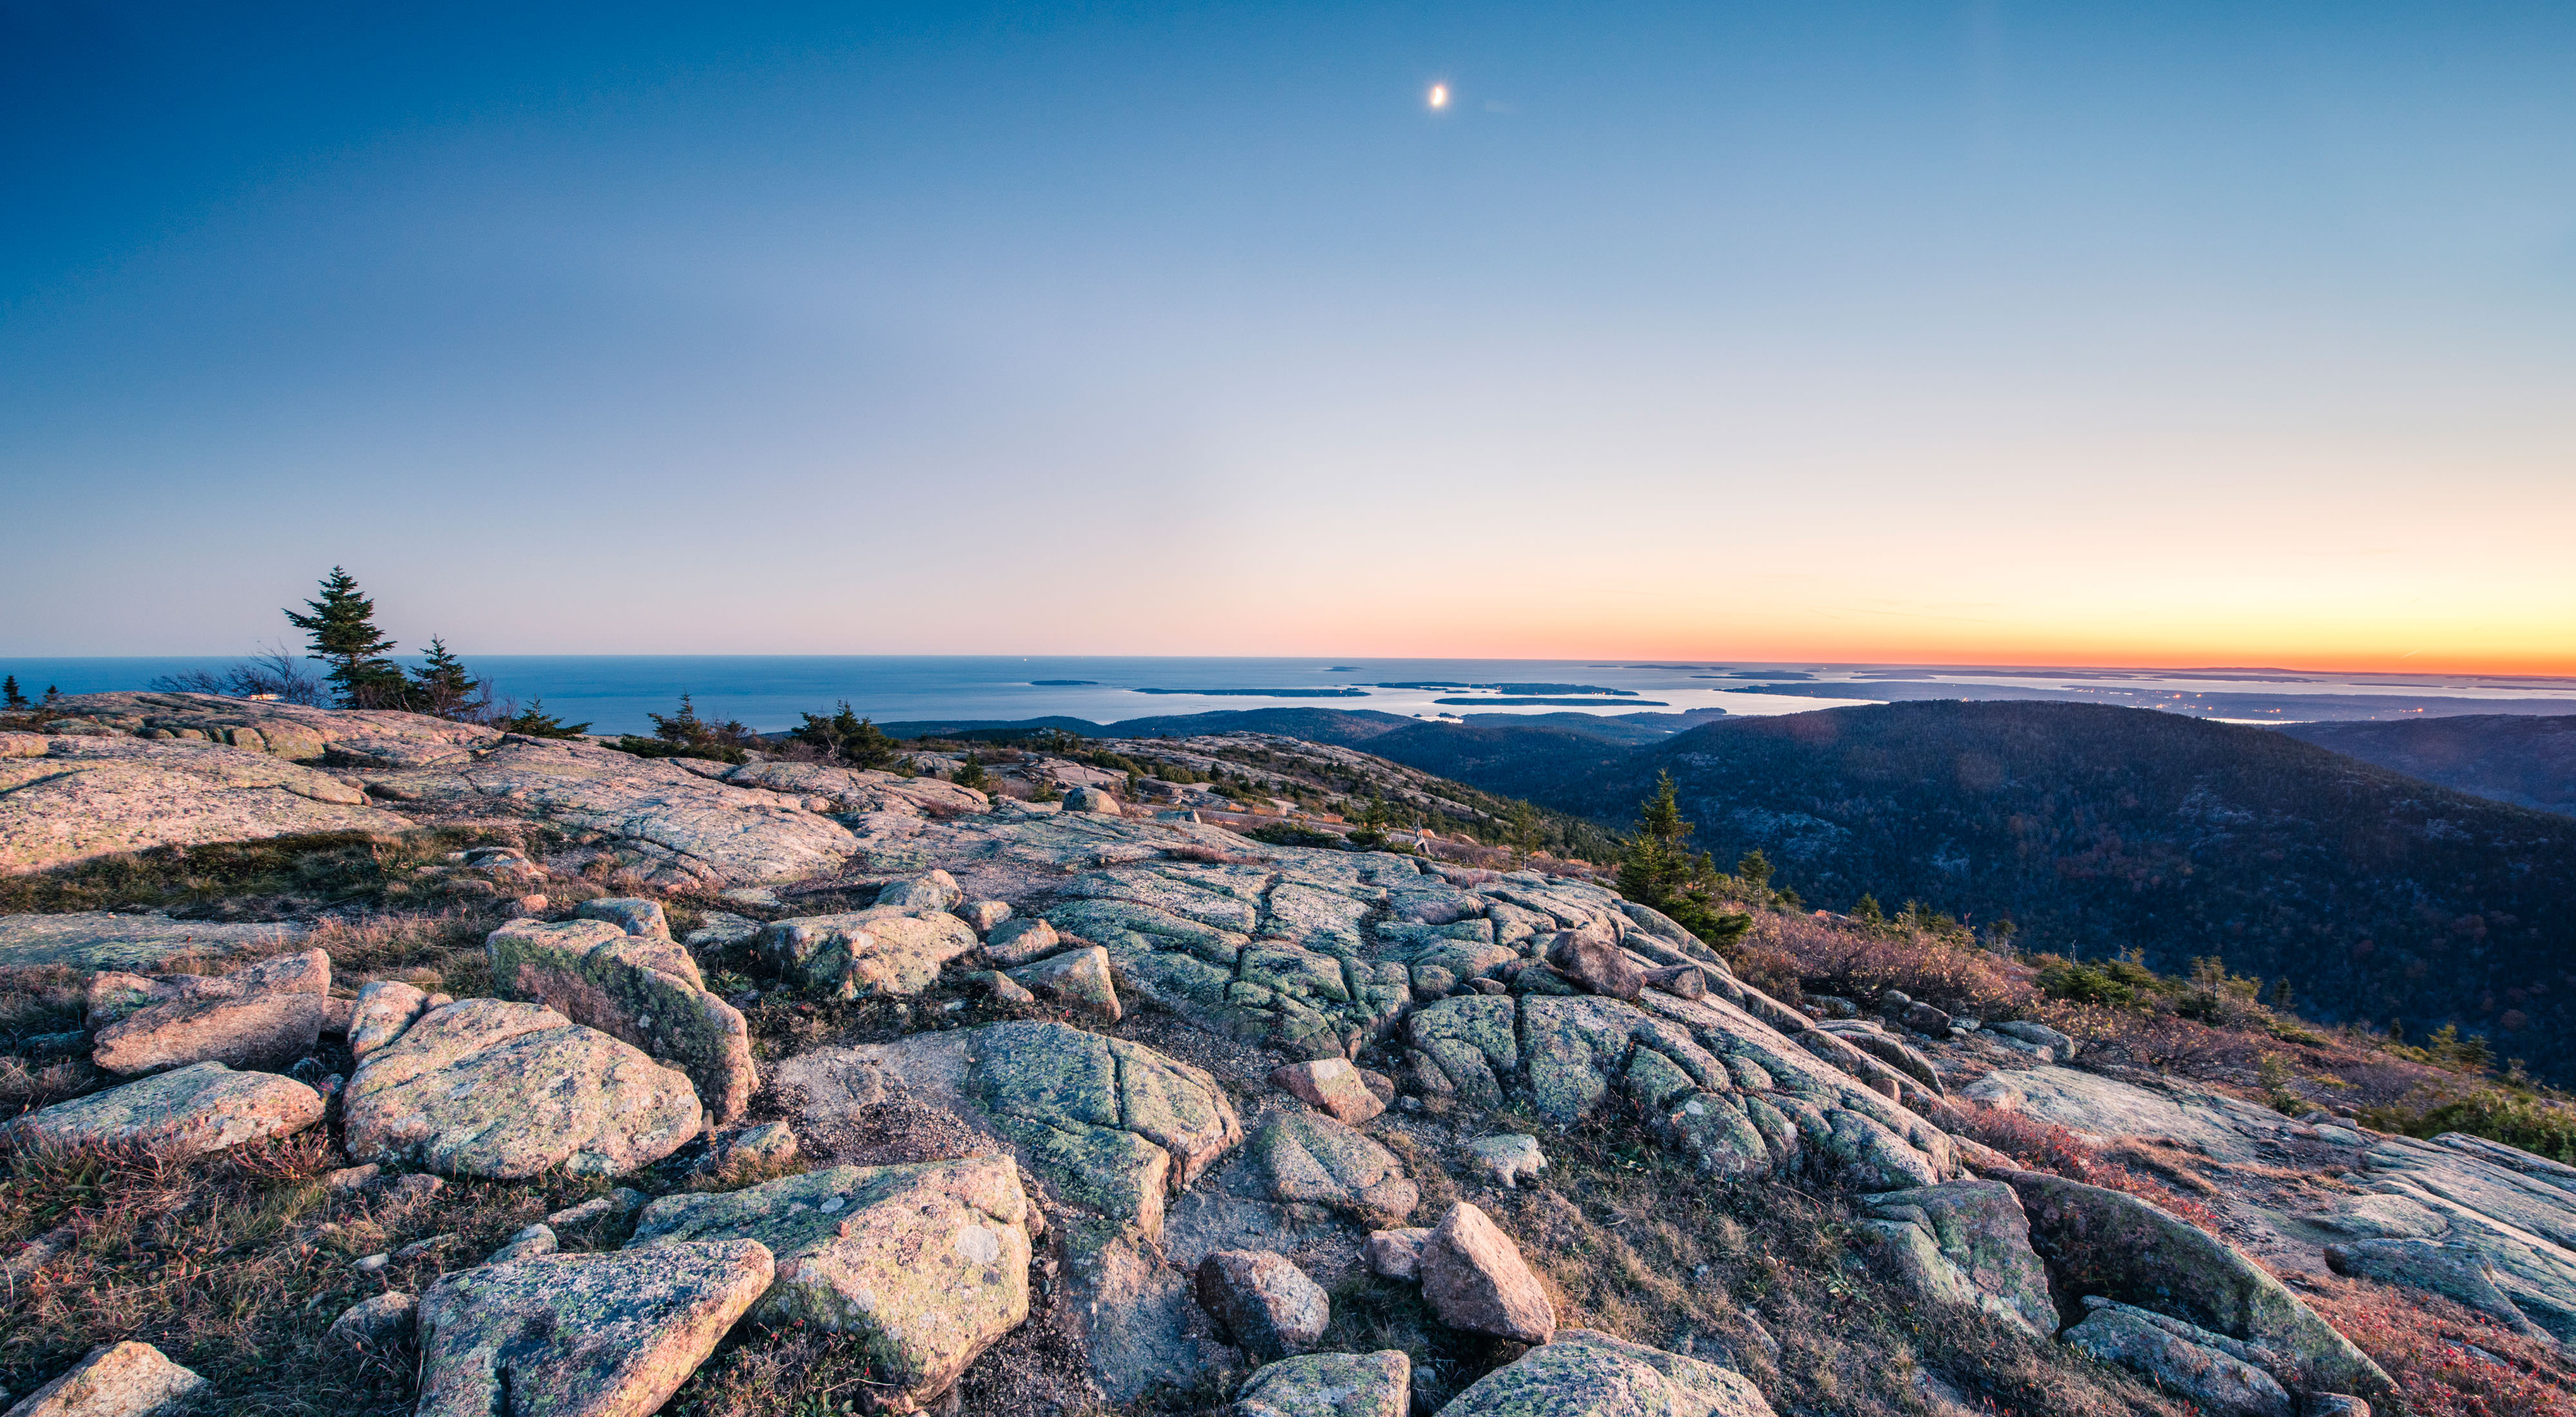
(2099, 829)
(2515, 758)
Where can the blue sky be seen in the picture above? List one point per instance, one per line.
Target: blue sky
(2141, 333)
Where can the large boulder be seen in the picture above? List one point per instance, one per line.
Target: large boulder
(489, 1088)
(599, 1335)
(930, 1261)
(1474, 1278)
(1331, 1084)
(1968, 1242)
(2106, 1243)
(1330, 1385)
(83, 797)
(201, 1108)
(641, 988)
(1112, 1129)
(265, 1017)
(1588, 1374)
(1077, 980)
(126, 1379)
(880, 950)
(1263, 1301)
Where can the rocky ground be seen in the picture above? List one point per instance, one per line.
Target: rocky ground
(365, 1062)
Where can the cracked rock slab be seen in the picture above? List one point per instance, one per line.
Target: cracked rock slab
(202, 1108)
(642, 989)
(85, 797)
(607, 1335)
(929, 1262)
(501, 1090)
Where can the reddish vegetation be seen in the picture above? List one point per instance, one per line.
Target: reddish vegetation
(2045, 1146)
(2449, 1361)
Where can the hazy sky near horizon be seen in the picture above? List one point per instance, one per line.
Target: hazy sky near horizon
(2117, 333)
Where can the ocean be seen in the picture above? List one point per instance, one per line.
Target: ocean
(616, 692)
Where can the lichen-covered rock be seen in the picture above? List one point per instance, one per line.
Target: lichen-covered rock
(636, 915)
(503, 1090)
(1474, 1278)
(1968, 1242)
(1587, 1374)
(1330, 1385)
(1332, 1084)
(262, 1017)
(92, 796)
(641, 988)
(1016, 942)
(1264, 1302)
(120, 1380)
(2182, 1359)
(1509, 1157)
(1597, 963)
(930, 1262)
(1310, 1159)
(1113, 1127)
(880, 950)
(2108, 1243)
(1396, 1254)
(605, 1335)
(678, 829)
(1078, 980)
(373, 1325)
(385, 1007)
(929, 891)
(106, 940)
(201, 1108)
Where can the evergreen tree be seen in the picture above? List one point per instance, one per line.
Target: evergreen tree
(52, 695)
(1867, 911)
(855, 740)
(1754, 869)
(16, 698)
(535, 722)
(1659, 870)
(342, 633)
(442, 686)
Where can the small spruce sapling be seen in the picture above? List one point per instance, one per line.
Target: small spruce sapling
(16, 697)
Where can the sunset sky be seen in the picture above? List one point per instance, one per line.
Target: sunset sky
(2163, 333)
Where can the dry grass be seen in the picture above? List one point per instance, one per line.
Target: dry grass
(1832, 959)
(1634, 1242)
(233, 1265)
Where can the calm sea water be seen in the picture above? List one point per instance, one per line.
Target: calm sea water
(616, 692)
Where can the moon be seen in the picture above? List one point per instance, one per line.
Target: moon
(1439, 96)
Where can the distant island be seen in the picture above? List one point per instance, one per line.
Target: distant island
(1265, 693)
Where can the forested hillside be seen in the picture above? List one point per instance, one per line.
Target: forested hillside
(2515, 758)
(2098, 830)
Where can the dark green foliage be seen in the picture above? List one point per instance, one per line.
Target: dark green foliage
(15, 697)
(1660, 871)
(972, 774)
(441, 686)
(535, 722)
(2515, 1117)
(342, 633)
(846, 736)
(685, 735)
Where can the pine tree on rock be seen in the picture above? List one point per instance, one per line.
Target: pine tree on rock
(535, 722)
(342, 633)
(16, 697)
(1659, 870)
(443, 687)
